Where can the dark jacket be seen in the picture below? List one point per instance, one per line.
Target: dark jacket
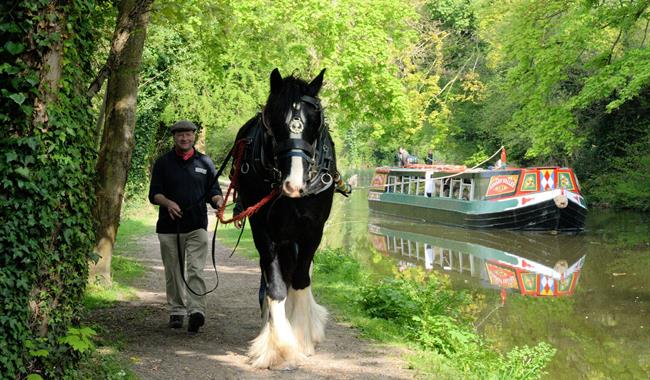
(186, 183)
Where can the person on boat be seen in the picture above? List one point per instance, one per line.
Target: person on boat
(398, 157)
(428, 186)
(403, 157)
(429, 159)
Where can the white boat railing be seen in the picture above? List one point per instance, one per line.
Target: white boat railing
(429, 186)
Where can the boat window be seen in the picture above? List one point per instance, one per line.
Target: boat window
(466, 191)
(389, 182)
(407, 184)
(443, 189)
(456, 188)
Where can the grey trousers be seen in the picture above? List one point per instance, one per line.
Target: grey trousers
(180, 300)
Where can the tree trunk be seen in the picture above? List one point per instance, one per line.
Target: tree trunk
(118, 129)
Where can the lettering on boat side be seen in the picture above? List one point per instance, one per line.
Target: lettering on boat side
(502, 184)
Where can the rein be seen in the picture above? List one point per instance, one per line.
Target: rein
(239, 146)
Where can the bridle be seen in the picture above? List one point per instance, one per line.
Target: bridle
(297, 147)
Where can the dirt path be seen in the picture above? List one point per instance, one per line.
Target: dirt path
(232, 320)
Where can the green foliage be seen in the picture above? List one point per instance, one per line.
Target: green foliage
(526, 362)
(432, 313)
(441, 333)
(615, 168)
(626, 183)
(461, 76)
(391, 299)
(337, 262)
(104, 362)
(556, 82)
(223, 52)
(47, 161)
(79, 339)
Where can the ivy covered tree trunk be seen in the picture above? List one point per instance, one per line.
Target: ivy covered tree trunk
(118, 124)
(47, 145)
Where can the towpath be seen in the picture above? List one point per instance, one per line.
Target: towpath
(218, 351)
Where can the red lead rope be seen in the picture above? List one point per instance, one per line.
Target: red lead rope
(239, 153)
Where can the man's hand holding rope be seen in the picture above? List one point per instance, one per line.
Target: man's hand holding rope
(238, 223)
(218, 201)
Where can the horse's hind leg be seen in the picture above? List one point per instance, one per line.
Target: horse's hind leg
(275, 345)
(307, 318)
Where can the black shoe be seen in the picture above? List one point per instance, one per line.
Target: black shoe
(196, 320)
(175, 321)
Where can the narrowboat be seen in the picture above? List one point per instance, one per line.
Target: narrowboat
(482, 259)
(532, 199)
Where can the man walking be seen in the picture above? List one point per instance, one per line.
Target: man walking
(182, 182)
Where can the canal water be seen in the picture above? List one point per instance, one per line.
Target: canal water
(596, 314)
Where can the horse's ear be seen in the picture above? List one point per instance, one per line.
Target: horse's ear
(316, 83)
(276, 81)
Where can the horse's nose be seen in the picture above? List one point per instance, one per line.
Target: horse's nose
(291, 190)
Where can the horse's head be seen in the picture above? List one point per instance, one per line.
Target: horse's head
(293, 119)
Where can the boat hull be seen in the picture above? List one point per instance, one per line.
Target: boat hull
(542, 215)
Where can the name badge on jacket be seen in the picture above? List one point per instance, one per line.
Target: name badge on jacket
(200, 170)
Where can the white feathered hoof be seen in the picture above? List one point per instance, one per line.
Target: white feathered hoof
(275, 347)
(267, 352)
(307, 319)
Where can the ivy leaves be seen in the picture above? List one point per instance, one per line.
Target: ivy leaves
(18, 98)
(14, 48)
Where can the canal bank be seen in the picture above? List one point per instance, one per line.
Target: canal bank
(600, 331)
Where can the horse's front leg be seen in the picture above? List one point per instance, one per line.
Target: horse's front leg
(307, 318)
(275, 346)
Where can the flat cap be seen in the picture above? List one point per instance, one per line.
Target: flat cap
(183, 125)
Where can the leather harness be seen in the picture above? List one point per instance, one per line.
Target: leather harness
(322, 167)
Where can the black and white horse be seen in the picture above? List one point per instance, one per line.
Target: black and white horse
(289, 150)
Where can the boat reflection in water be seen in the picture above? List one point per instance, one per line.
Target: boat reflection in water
(528, 263)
